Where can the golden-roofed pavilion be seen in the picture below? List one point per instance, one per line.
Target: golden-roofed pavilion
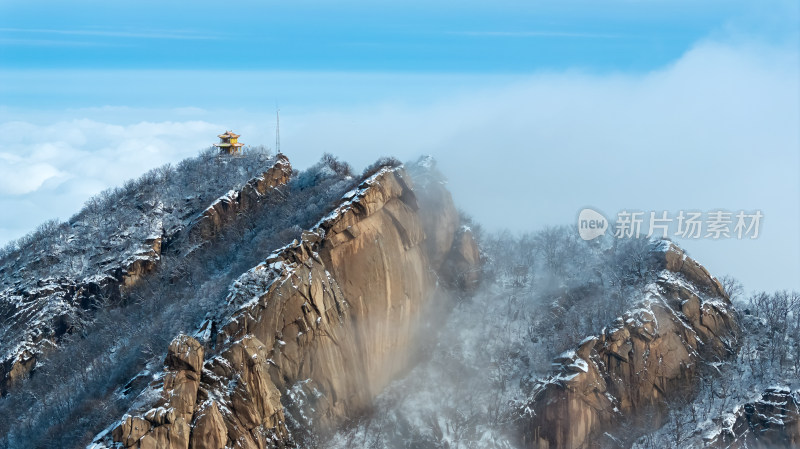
(229, 143)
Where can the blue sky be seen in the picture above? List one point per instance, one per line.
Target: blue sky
(534, 109)
(410, 36)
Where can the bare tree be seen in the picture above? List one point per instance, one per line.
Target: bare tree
(732, 287)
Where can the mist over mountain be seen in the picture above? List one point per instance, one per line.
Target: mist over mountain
(235, 302)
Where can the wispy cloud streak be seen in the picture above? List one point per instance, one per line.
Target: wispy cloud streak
(564, 34)
(147, 34)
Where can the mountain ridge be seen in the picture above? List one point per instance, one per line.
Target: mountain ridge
(113, 280)
(318, 308)
(299, 332)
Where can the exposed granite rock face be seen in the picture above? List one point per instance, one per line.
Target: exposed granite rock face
(225, 209)
(239, 404)
(57, 305)
(324, 324)
(167, 423)
(676, 261)
(628, 371)
(141, 266)
(210, 430)
(771, 422)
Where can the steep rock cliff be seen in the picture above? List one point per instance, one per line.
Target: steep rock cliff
(628, 372)
(322, 326)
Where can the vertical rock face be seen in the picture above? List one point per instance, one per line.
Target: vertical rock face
(627, 372)
(239, 404)
(167, 424)
(210, 430)
(323, 325)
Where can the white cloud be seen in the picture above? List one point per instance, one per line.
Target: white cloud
(716, 129)
(19, 176)
(48, 171)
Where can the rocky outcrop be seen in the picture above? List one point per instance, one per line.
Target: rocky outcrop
(37, 315)
(167, 424)
(325, 323)
(676, 261)
(773, 421)
(630, 370)
(145, 262)
(461, 268)
(227, 207)
(238, 401)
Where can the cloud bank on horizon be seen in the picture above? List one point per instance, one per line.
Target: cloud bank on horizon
(714, 126)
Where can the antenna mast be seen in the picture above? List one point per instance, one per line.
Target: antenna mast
(278, 130)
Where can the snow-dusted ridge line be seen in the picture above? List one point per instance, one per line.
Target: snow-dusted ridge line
(354, 196)
(306, 305)
(114, 264)
(277, 266)
(681, 319)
